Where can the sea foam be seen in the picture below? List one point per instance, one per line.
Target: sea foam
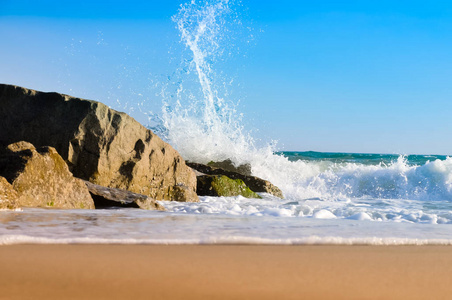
(204, 124)
(133, 226)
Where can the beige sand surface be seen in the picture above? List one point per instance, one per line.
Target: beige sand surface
(225, 272)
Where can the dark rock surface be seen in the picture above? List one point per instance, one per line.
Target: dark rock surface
(105, 197)
(244, 169)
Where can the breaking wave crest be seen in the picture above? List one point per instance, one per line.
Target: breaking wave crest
(204, 125)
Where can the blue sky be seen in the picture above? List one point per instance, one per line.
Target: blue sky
(345, 76)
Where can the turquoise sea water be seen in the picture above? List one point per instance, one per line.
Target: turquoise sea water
(364, 158)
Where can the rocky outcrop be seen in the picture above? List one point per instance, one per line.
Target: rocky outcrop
(99, 144)
(110, 197)
(41, 178)
(220, 185)
(8, 196)
(228, 165)
(256, 184)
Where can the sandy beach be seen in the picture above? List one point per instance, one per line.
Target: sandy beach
(224, 272)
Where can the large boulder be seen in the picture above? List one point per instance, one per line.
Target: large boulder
(41, 178)
(8, 196)
(105, 197)
(256, 184)
(100, 145)
(220, 185)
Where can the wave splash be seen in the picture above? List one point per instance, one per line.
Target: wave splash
(197, 117)
(395, 192)
(397, 180)
(203, 124)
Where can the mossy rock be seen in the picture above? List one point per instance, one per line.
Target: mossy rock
(221, 185)
(256, 184)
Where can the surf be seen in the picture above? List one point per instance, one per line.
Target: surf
(204, 124)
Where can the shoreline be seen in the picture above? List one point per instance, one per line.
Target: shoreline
(96, 271)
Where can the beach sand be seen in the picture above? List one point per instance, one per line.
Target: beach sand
(225, 272)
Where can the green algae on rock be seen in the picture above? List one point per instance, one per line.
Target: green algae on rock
(221, 185)
(256, 184)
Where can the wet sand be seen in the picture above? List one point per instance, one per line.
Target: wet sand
(225, 272)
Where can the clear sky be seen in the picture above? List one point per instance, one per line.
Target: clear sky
(337, 76)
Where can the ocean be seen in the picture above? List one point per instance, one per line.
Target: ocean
(330, 198)
(335, 198)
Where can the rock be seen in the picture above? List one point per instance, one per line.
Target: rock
(110, 197)
(99, 144)
(244, 169)
(221, 185)
(41, 178)
(256, 184)
(183, 193)
(8, 196)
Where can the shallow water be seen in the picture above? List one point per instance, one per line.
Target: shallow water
(134, 226)
(360, 201)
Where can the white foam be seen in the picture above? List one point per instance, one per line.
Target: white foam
(203, 124)
(360, 216)
(388, 210)
(312, 240)
(134, 226)
(324, 214)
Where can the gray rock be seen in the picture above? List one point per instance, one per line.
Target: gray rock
(99, 144)
(244, 169)
(105, 197)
